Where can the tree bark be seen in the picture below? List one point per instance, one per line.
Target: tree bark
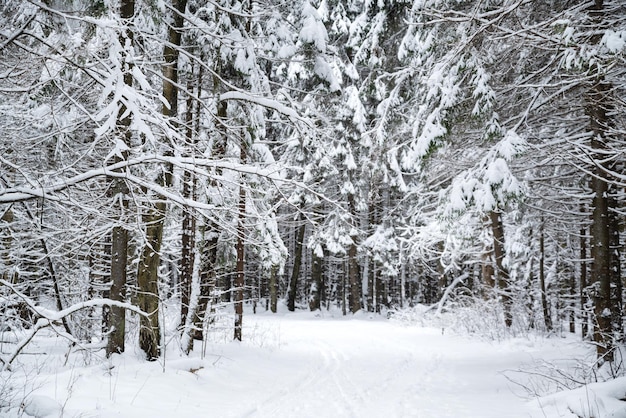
(615, 269)
(148, 284)
(315, 302)
(273, 285)
(187, 251)
(600, 269)
(607, 322)
(240, 276)
(188, 243)
(116, 316)
(487, 268)
(147, 275)
(402, 277)
(584, 314)
(572, 304)
(354, 276)
(547, 318)
(297, 263)
(502, 273)
(353, 279)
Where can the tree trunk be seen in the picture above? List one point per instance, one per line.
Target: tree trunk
(600, 270)
(402, 277)
(115, 317)
(147, 275)
(615, 269)
(572, 304)
(297, 263)
(584, 314)
(240, 277)
(187, 250)
(598, 108)
(487, 271)
(188, 243)
(344, 309)
(148, 284)
(547, 318)
(530, 288)
(354, 277)
(368, 272)
(209, 273)
(273, 285)
(316, 281)
(208, 282)
(501, 271)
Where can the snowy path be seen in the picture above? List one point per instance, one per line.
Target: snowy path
(303, 366)
(361, 368)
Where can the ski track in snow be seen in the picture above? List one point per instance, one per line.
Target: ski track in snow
(304, 366)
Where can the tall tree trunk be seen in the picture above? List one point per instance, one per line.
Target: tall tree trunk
(188, 243)
(240, 275)
(600, 270)
(208, 281)
(379, 285)
(547, 318)
(187, 250)
(368, 272)
(354, 277)
(148, 283)
(441, 273)
(316, 280)
(487, 268)
(502, 273)
(344, 308)
(616, 266)
(584, 314)
(297, 263)
(402, 276)
(115, 317)
(598, 108)
(572, 303)
(148, 270)
(530, 288)
(273, 285)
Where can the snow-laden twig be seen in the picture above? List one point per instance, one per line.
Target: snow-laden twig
(48, 317)
(267, 103)
(19, 193)
(448, 290)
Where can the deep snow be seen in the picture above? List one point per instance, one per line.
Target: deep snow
(301, 365)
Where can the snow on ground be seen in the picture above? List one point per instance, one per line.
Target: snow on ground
(302, 365)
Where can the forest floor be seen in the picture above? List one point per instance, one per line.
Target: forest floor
(307, 365)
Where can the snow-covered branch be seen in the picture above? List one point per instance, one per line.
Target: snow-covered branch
(48, 317)
(267, 103)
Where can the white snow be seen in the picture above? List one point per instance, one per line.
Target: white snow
(302, 365)
(313, 30)
(614, 41)
(42, 406)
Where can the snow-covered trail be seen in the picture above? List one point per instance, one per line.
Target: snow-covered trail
(298, 365)
(373, 368)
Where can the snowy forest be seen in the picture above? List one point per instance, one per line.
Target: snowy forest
(168, 166)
